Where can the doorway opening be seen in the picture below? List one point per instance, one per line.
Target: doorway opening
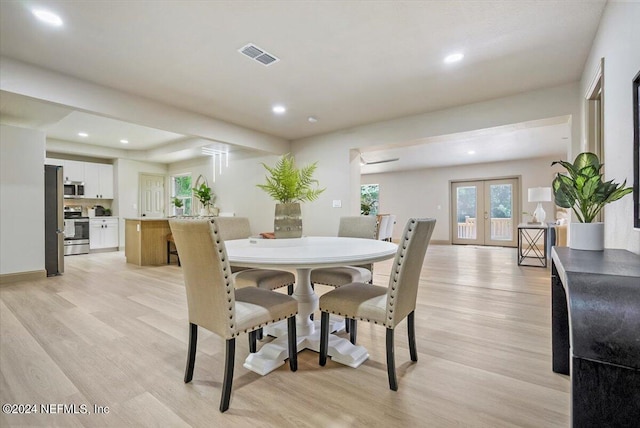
(484, 212)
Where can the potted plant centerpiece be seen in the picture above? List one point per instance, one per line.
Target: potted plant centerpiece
(289, 186)
(206, 197)
(177, 202)
(586, 193)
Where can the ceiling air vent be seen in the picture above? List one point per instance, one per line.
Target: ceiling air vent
(258, 54)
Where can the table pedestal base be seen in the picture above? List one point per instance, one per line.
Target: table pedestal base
(273, 354)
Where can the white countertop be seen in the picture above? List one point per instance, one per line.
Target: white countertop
(147, 218)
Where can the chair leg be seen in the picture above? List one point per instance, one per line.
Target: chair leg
(290, 289)
(324, 337)
(293, 343)
(347, 324)
(168, 252)
(191, 353)
(228, 375)
(252, 341)
(353, 330)
(411, 327)
(391, 361)
(259, 334)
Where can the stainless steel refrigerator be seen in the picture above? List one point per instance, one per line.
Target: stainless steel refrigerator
(53, 220)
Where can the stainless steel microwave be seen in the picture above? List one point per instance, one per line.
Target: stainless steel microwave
(73, 189)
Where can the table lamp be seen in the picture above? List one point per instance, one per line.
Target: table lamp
(539, 195)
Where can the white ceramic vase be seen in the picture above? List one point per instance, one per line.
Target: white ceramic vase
(586, 236)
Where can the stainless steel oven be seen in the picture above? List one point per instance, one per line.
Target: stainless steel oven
(76, 234)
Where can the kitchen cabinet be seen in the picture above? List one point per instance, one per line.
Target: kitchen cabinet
(73, 170)
(98, 182)
(97, 177)
(51, 161)
(103, 233)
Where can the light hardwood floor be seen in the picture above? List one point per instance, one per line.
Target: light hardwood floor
(111, 334)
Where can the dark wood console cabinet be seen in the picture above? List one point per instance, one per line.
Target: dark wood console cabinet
(595, 298)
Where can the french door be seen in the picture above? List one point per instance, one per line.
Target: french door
(485, 212)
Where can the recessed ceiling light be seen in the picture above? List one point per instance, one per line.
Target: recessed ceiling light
(471, 152)
(83, 134)
(279, 109)
(453, 58)
(47, 17)
(312, 119)
(124, 141)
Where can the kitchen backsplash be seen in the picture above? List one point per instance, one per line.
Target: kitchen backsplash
(87, 203)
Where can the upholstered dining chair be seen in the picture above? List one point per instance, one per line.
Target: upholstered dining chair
(216, 305)
(269, 279)
(383, 222)
(351, 227)
(387, 306)
(390, 223)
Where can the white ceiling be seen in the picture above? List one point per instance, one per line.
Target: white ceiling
(346, 63)
(108, 132)
(535, 139)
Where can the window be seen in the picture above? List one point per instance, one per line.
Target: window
(181, 189)
(369, 199)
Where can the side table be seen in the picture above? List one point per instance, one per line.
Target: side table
(530, 238)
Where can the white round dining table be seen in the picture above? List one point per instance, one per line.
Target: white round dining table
(303, 255)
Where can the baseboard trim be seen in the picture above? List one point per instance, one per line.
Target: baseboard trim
(12, 278)
(104, 250)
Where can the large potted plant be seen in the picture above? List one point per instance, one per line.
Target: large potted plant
(584, 191)
(206, 197)
(289, 186)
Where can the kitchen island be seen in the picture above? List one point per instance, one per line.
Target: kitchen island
(146, 240)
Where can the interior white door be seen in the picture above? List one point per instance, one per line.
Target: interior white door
(151, 195)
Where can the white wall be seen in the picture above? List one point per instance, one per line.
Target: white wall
(21, 200)
(618, 41)
(332, 151)
(126, 193)
(426, 192)
(335, 173)
(235, 188)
